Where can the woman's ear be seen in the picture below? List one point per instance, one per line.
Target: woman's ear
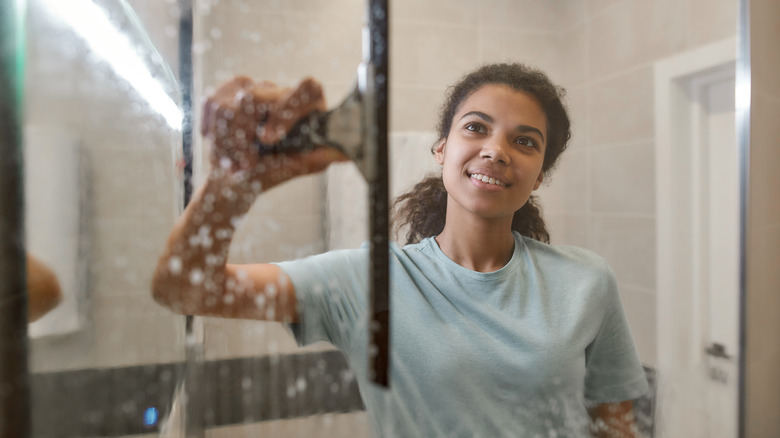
(438, 151)
(539, 180)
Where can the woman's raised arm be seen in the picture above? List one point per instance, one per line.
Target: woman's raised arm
(192, 275)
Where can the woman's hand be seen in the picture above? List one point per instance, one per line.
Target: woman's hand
(243, 112)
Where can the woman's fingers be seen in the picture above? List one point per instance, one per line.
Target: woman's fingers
(289, 108)
(282, 167)
(321, 157)
(223, 98)
(241, 111)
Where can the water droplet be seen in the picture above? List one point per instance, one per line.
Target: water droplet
(347, 375)
(224, 371)
(235, 221)
(301, 384)
(229, 194)
(174, 265)
(213, 259)
(196, 277)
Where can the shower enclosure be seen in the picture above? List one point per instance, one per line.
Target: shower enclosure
(100, 105)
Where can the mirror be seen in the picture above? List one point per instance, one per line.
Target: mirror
(104, 186)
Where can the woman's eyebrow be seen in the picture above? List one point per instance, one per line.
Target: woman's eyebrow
(526, 129)
(520, 128)
(479, 114)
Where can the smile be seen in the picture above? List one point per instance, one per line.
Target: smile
(487, 180)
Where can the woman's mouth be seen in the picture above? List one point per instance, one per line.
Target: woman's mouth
(487, 180)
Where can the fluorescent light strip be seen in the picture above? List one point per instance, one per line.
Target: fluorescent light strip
(93, 24)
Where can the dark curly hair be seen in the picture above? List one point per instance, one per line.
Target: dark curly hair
(422, 210)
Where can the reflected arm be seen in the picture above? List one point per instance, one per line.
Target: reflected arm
(43, 289)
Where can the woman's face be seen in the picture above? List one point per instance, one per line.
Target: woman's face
(492, 157)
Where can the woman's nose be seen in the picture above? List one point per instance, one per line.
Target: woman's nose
(495, 150)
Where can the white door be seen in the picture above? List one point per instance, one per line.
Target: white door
(720, 226)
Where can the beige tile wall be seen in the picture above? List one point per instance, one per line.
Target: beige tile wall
(608, 177)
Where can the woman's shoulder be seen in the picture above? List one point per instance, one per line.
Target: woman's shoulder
(566, 257)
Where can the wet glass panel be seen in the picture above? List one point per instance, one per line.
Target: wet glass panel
(105, 183)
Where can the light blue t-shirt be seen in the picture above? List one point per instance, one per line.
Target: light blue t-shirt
(515, 352)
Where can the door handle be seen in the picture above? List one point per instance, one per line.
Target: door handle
(717, 350)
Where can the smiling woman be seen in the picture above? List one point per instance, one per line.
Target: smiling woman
(490, 139)
(540, 328)
(422, 210)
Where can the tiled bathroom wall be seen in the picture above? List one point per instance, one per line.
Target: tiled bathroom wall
(608, 176)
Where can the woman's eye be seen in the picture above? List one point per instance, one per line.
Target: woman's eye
(475, 127)
(526, 141)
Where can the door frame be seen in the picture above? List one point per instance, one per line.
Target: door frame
(679, 335)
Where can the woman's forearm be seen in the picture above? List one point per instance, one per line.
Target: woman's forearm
(192, 267)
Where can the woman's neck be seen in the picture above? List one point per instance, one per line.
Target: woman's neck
(477, 244)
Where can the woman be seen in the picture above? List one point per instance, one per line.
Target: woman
(494, 332)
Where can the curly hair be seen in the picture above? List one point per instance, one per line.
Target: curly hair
(422, 210)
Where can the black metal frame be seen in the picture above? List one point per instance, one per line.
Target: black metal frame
(378, 190)
(15, 411)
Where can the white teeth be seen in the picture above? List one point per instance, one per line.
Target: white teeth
(488, 180)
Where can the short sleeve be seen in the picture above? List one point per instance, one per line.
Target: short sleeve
(613, 370)
(330, 289)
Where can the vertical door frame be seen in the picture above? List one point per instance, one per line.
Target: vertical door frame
(678, 249)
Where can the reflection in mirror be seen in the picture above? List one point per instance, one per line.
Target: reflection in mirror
(108, 160)
(101, 143)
